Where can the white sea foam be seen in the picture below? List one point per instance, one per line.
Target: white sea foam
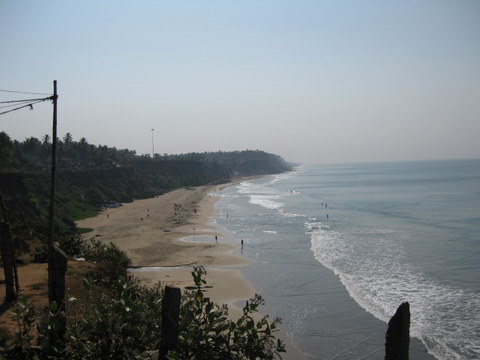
(288, 214)
(281, 177)
(446, 319)
(380, 265)
(267, 201)
(266, 196)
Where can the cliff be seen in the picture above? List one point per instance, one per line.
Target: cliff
(82, 193)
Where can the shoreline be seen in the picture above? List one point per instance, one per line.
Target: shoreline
(155, 235)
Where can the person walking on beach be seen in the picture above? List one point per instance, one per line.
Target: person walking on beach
(242, 243)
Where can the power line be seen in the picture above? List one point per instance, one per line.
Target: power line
(8, 106)
(23, 100)
(13, 103)
(23, 92)
(26, 105)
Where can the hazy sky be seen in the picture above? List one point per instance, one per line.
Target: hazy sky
(312, 81)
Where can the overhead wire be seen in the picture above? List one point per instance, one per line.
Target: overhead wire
(12, 105)
(23, 100)
(8, 106)
(24, 92)
(30, 104)
(22, 103)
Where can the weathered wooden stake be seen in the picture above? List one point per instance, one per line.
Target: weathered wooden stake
(8, 256)
(51, 218)
(57, 268)
(398, 334)
(170, 316)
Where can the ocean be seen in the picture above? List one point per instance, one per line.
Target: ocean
(335, 249)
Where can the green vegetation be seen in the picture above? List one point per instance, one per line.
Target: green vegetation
(118, 318)
(91, 177)
(207, 333)
(84, 230)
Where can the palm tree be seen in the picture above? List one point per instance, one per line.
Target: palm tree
(46, 139)
(67, 139)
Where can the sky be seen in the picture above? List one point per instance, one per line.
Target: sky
(312, 81)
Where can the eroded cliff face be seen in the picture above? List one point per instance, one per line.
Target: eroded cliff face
(81, 193)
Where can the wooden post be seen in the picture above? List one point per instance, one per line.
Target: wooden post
(56, 293)
(8, 256)
(398, 334)
(54, 170)
(57, 260)
(56, 288)
(51, 227)
(170, 316)
(8, 238)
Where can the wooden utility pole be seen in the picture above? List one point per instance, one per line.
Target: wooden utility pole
(57, 260)
(54, 171)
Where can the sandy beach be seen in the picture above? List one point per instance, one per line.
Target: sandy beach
(154, 234)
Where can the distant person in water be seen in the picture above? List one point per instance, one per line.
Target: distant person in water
(216, 238)
(242, 243)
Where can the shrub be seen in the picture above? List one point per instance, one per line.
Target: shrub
(206, 332)
(121, 324)
(40, 254)
(73, 245)
(113, 261)
(125, 323)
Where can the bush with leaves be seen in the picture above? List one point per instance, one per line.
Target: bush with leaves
(73, 245)
(206, 332)
(113, 261)
(21, 345)
(121, 324)
(124, 322)
(40, 254)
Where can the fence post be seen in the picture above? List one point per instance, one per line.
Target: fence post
(398, 334)
(57, 268)
(8, 256)
(170, 317)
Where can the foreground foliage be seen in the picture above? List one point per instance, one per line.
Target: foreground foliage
(124, 322)
(207, 333)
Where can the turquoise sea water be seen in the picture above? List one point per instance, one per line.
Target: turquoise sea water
(335, 249)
